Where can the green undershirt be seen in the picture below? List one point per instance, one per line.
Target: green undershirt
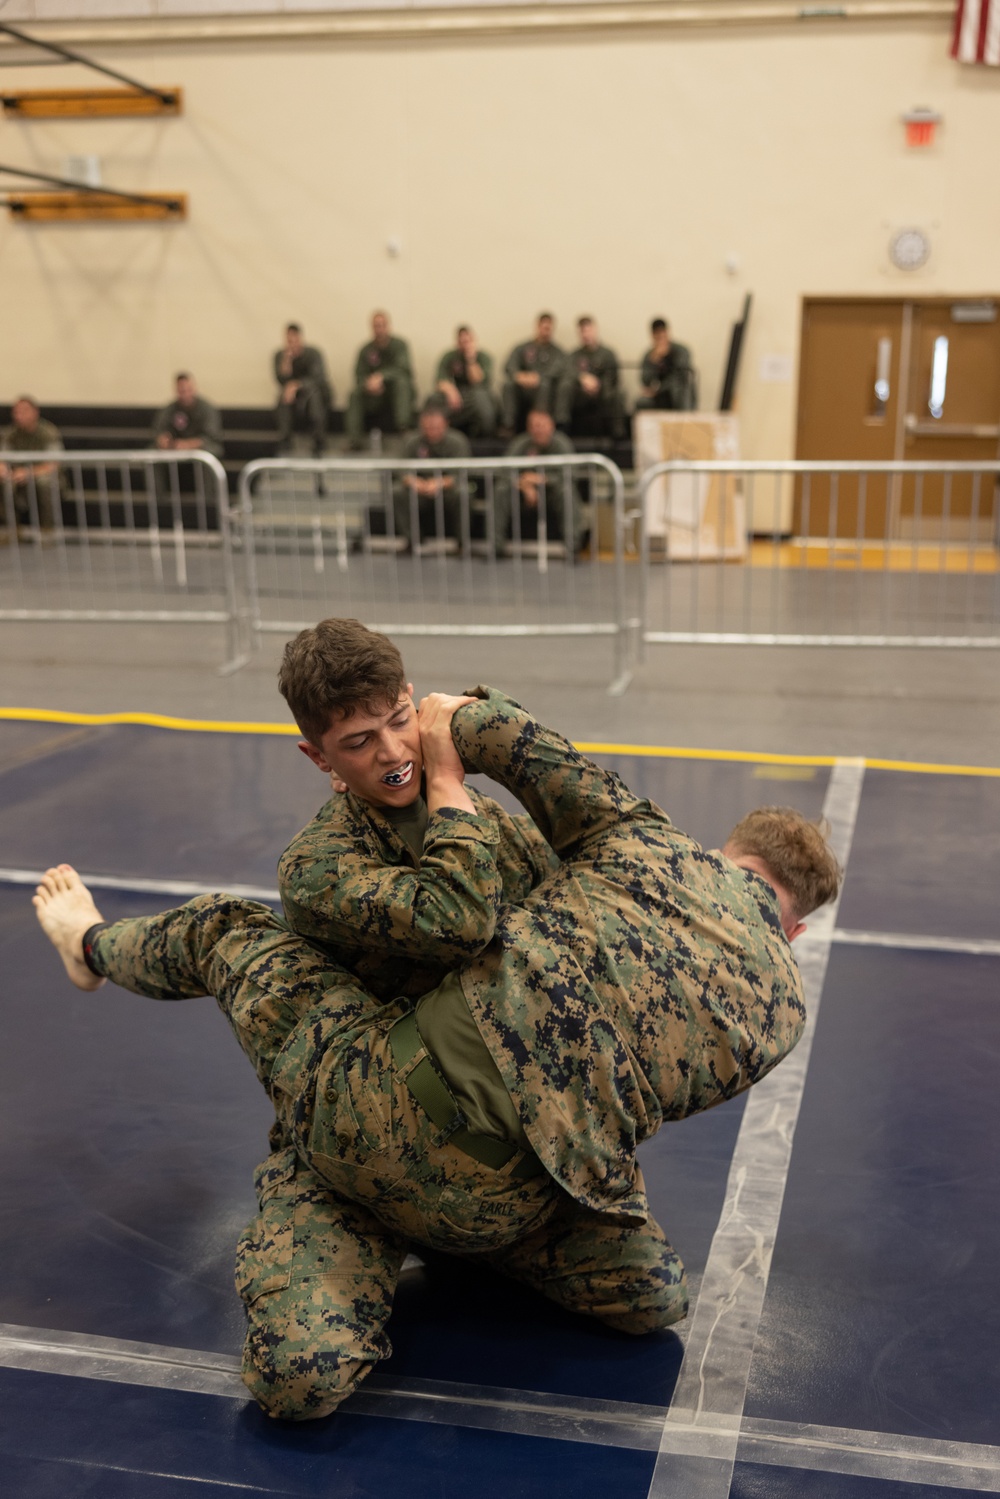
(448, 1030)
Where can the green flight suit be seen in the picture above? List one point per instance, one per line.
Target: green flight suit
(548, 361)
(561, 492)
(477, 416)
(31, 503)
(201, 419)
(672, 380)
(411, 509)
(392, 410)
(583, 414)
(310, 408)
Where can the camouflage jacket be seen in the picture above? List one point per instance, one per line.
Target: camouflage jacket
(349, 883)
(644, 980)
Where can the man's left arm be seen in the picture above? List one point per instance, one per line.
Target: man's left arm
(571, 800)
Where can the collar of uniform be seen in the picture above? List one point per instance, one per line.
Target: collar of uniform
(379, 827)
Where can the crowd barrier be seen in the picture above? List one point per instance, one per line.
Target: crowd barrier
(351, 536)
(876, 554)
(854, 554)
(119, 537)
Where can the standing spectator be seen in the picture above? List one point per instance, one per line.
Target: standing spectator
(534, 370)
(29, 432)
(465, 379)
(305, 395)
(541, 440)
(383, 396)
(435, 439)
(669, 382)
(189, 421)
(589, 402)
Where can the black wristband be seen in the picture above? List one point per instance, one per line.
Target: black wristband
(90, 936)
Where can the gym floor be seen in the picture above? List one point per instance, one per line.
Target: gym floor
(841, 1225)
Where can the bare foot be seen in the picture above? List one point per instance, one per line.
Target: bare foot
(66, 911)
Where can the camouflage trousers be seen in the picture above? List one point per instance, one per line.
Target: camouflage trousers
(359, 1172)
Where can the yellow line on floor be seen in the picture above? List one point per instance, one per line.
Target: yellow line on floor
(665, 752)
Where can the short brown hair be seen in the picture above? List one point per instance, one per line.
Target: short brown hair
(336, 668)
(796, 852)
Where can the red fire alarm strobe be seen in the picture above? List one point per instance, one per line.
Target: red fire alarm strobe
(921, 124)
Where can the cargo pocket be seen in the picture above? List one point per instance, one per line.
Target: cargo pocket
(266, 1246)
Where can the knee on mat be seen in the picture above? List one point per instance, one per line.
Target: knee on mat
(658, 1301)
(297, 1384)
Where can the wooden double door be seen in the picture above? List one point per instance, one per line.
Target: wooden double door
(887, 379)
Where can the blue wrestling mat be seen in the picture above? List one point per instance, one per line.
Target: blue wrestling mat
(841, 1225)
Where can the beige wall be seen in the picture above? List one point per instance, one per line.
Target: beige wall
(604, 175)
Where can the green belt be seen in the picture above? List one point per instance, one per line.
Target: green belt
(438, 1103)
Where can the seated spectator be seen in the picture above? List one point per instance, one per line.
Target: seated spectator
(419, 492)
(536, 487)
(188, 422)
(305, 397)
(534, 370)
(383, 397)
(669, 382)
(20, 483)
(465, 380)
(589, 402)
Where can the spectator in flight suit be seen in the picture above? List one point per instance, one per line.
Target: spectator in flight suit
(669, 382)
(589, 402)
(383, 396)
(305, 396)
(465, 380)
(435, 439)
(534, 370)
(189, 422)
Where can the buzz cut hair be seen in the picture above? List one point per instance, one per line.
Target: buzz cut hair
(585, 319)
(659, 325)
(181, 375)
(462, 328)
(795, 851)
(293, 327)
(336, 669)
(545, 317)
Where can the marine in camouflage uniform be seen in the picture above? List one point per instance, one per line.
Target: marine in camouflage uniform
(642, 980)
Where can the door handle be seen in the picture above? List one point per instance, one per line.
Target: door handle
(916, 428)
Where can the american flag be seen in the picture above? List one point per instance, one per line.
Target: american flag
(977, 32)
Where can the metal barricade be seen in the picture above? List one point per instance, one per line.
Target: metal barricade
(816, 553)
(439, 547)
(121, 537)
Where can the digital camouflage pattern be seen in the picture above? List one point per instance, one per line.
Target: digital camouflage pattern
(357, 1171)
(644, 980)
(349, 882)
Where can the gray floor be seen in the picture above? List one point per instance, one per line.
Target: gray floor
(931, 705)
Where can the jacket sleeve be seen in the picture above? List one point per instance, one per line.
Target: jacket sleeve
(571, 799)
(445, 912)
(609, 376)
(212, 440)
